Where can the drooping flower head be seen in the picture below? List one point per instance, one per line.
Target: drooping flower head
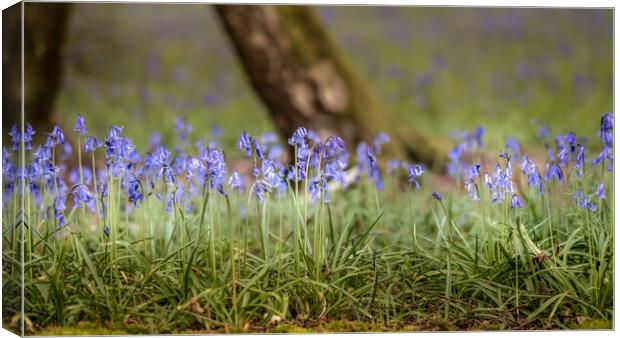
(15, 137)
(80, 125)
(515, 202)
(134, 192)
(81, 195)
(28, 133)
(414, 172)
(56, 137)
(245, 143)
(91, 144)
(605, 133)
(437, 196)
(236, 182)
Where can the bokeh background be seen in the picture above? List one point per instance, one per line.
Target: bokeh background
(436, 69)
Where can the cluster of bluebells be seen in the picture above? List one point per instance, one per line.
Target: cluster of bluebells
(178, 179)
(467, 142)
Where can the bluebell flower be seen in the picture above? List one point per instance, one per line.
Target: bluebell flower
(91, 144)
(414, 172)
(314, 188)
(472, 189)
(245, 143)
(437, 196)
(334, 170)
(235, 182)
(474, 171)
(16, 137)
(59, 207)
(334, 145)
(135, 192)
(56, 137)
(257, 149)
(583, 202)
(531, 171)
(600, 191)
(106, 231)
(553, 171)
(298, 139)
(215, 173)
(579, 162)
(81, 194)
(28, 133)
(373, 169)
(515, 202)
(488, 180)
(80, 125)
(605, 133)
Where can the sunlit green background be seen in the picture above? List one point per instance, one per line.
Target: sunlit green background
(437, 69)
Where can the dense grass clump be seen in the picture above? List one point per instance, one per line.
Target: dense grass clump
(170, 241)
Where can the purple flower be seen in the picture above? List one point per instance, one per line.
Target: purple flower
(59, 207)
(134, 191)
(215, 173)
(81, 194)
(298, 139)
(57, 136)
(515, 202)
(583, 202)
(373, 169)
(15, 137)
(579, 162)
(28, 136)
(235, 181)
(600, 191)
(437, 196)
(474, 171)
(605, 133)
(245, 142)
(414, 172)
(334, 145)
(80, 125)
(91, 144)
(472, 189)
(553, 171)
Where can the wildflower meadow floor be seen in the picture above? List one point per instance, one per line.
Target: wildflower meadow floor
(173, 239)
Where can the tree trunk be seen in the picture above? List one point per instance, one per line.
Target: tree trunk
(304, 80)
(45, 29)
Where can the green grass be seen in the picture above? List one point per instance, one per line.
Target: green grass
(373, 261)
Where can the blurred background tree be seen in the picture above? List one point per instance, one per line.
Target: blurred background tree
(433, 69)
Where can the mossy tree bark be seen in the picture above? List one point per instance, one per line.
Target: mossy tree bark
(303, 79)
(45, 30)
